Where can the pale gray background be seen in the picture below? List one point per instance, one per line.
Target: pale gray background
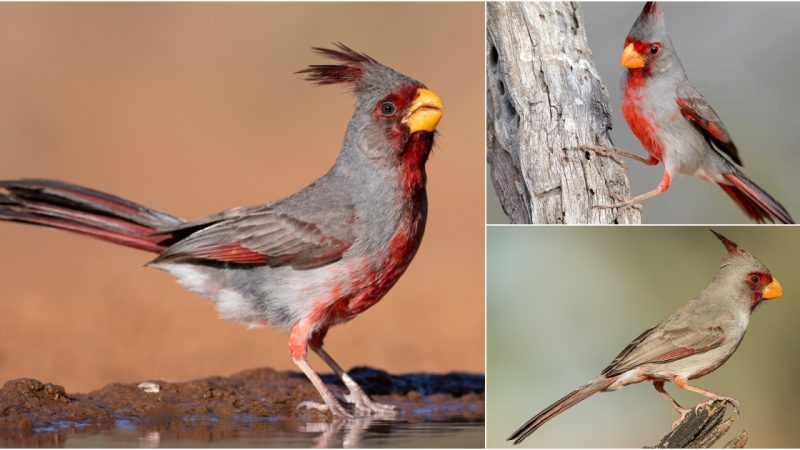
(563, 301)
(743, 57)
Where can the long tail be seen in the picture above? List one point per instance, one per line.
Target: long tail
(566, 402)
(85, 211)
(754, 201)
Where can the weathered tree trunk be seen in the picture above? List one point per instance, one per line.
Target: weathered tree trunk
(702, 429)
(544, 99)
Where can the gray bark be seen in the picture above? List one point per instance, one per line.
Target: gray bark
(544, 98)
(702, 429)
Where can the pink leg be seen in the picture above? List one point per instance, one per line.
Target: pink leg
(298, 347)
(616, 154)
(683, 384)
(659, 385)
(363, 404)
(662, 187)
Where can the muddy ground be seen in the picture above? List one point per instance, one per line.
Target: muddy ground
(35, 413)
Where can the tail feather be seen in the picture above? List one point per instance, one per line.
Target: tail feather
(754, 201)
(85, 211)
(566, 402)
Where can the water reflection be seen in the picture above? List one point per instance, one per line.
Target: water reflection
(260, 432)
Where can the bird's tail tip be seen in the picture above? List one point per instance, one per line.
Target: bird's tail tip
(563, 404)
(757, 203)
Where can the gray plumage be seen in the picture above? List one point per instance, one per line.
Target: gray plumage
(306, 262)
(691, 342)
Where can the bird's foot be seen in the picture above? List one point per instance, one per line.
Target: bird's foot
(334, 407)
(365, 407)
(622, 204)
(611, 152)
(729, 400)
(682, 412)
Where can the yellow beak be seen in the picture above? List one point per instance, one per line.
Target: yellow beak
(425, 111)
(772, 290)
(631, 58)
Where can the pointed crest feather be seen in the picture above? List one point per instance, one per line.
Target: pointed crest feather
(650, 23)
(732, 247)
(349, 71)
(651, 8)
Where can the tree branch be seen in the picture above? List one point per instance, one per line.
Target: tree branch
(544, 100)
(703, 428)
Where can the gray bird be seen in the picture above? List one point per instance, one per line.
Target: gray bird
(688, 344)
(304, 263)
(677, 126)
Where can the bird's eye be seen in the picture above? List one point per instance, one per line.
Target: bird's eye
(388, 108)
(755, 279)
(654, 49)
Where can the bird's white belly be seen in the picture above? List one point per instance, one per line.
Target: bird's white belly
(686, 151)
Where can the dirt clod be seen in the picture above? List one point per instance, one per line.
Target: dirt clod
(29, 408)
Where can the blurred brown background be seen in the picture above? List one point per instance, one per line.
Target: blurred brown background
(192, 109)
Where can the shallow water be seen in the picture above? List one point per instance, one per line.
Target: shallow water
(245, 432)
(254, 408)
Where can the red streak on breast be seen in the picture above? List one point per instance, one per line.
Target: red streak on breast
(369, 285)
(412, 162)
(371, 278)
(642, 125)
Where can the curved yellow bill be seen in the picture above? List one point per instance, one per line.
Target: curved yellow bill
(631, 58)
(424, 112)
(772, 290)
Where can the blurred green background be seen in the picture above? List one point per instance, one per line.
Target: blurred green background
(563, 301)
(743, 57)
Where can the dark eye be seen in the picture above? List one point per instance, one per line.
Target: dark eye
(388, 108)
(654, 49)
(755, 279)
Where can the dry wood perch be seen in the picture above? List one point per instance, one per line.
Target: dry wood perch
(545, 99)
(703, 428)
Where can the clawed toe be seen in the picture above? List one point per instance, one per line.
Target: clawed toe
(620, 205)
(382, 410)
(612, 153)
(681, 416)
(729, 400)
(364, 406)
(336, 409)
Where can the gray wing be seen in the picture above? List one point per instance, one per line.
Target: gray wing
(661, 345)
(696, 109)
(261, 236)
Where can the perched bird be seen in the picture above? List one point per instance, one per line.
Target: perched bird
(304, 263)
(689, 343)
(677, 126)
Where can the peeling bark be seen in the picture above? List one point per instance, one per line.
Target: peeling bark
(544, 99)
(702, 429)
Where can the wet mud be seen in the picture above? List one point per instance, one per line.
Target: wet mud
(262, 401)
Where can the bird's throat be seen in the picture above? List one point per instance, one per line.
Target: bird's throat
(412, 162)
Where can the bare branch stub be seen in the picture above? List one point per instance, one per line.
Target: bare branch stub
(702, 428)
(544, 100)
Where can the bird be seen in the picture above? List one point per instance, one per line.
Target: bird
(690, 343)
(304, 263)
(677, 126)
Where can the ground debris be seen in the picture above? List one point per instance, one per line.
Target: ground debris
(29, 407)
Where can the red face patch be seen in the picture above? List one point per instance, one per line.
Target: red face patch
(757, 281)
(646, 49)
(390, 110)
